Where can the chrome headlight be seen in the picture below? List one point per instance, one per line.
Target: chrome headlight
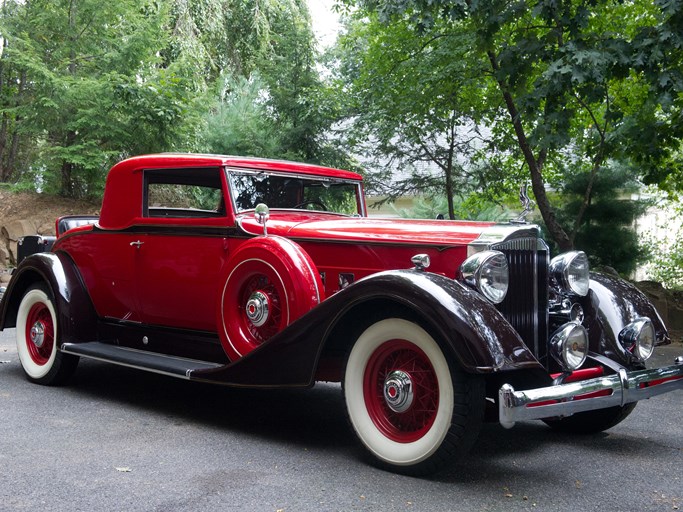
(569, 345)
(638, 338)
(487, 272)
(570, 271)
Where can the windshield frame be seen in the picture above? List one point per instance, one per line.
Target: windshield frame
(357, 186)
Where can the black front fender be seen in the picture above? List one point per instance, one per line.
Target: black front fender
(476, 334)
(77, 320)
(616, 303)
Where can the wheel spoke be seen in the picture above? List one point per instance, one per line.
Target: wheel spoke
(399, 424)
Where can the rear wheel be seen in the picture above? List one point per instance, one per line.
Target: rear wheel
(412, 409)
(37, 345)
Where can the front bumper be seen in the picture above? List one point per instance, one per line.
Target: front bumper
(587, 395)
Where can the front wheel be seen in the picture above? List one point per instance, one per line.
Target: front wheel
(411, 408)
(37, 333)
(591, 422)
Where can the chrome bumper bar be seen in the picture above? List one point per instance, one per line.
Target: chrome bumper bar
(587, 395)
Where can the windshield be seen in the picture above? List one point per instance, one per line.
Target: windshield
(249, 188)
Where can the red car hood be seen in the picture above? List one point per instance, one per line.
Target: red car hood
(317, 226)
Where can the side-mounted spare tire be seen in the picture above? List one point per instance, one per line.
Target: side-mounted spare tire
(269, 282)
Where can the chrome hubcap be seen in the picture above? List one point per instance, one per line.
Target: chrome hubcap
(38, 334)
(258, 308)
(398, 391)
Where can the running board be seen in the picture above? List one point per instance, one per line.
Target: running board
(138, 359)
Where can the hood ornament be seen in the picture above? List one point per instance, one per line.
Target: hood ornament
(527, 204)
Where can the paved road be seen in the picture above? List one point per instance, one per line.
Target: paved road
(117, 439)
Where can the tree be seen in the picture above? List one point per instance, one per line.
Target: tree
(94, 91)
(408, 113)
(13, 85)
(239, 122)
(607, 227)
(277, 105)
(599, 79)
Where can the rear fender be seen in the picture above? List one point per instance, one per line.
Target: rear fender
(76, 317)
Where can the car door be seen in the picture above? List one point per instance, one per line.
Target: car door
(183, 247)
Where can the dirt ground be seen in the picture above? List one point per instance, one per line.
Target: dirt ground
(29, 213)
(41, 208)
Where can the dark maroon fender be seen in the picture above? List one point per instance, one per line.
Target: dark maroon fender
(77, 320)
(614, 303)
(478, 336)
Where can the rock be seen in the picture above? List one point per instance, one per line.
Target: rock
(46, 228)
(4, 256)
(15, 229)
(12, 249)
(675, 316)
(658, 296)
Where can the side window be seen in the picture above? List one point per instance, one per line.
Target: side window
(184, 193)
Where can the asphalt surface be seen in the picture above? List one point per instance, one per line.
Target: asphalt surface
(116, 439)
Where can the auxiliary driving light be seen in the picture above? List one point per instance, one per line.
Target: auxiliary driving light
(569, 346)
(638, 338)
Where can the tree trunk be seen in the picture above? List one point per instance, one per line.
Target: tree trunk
(4, 172)
(67, 179)
(535, 165)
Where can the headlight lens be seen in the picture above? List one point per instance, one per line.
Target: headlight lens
(638, 338)
(571, 272)
(487, 272)
(569, 346)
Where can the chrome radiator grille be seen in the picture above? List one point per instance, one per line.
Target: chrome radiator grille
(526, 303)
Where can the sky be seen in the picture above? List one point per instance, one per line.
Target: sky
(325, 21)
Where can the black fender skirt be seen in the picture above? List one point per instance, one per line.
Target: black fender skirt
(470, 327)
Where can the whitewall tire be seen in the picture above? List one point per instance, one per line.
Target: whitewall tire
(37, 337)
(411, 409)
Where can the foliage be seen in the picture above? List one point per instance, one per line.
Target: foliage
(94, 89)
(84, 84)
(411, 118)
(277, 106)
(666, 264)
(606, 233)
(600, 80)
(239, 122)
(469, 208)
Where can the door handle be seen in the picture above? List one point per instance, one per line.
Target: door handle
(137, 243)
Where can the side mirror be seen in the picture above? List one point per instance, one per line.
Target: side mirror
(262, 214)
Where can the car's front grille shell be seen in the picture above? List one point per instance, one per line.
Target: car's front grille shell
(526, 303)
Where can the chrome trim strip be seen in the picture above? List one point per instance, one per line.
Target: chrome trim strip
(625, 387)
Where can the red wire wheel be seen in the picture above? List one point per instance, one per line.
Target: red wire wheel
(410, 408)
(401, 391)
(269, 283)
(39, 333)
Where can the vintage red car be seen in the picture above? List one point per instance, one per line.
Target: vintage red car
(261, 273)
